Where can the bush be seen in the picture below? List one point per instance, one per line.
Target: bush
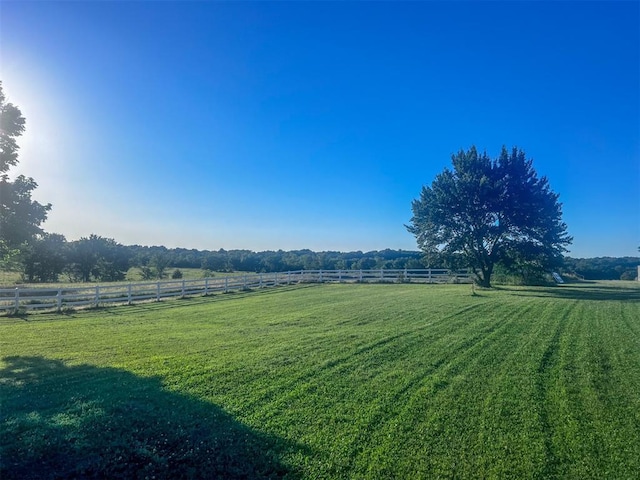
(146, 272)
(177, 273)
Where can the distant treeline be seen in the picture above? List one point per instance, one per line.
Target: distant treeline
(278, 261)
(51, 258)
(96, 258)
(603, 268)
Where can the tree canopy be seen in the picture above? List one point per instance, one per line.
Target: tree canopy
(11, 127)
(20, 215)
(488, 211)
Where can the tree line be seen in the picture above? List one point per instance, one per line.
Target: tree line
(602, 268)
(49, 257)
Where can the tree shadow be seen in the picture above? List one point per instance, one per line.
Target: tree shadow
(587, 291)
(63, 422)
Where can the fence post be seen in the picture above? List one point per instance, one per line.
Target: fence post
(206, 286)
(59, 299)
(17, 302)
(320, 276)
(382, 274)
(97, 299)
(158, 291)
(129, 294)
(275, 279)
(182, 296)
(244, 282)
(226, 284)
(289, 277)
(360, 279)
(429, 276)
(261, 280)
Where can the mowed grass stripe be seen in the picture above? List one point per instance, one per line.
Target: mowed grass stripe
(364, 381)
(460, 395)
(593, 395)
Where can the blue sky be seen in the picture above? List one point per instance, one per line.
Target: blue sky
(291, 125)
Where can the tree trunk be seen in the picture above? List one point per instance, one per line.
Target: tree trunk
(484, 279)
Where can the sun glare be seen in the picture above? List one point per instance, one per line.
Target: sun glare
(27, 88)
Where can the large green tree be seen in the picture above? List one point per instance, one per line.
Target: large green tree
(488, 211)
(20, 215)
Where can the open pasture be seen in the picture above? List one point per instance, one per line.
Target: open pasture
(329, 381)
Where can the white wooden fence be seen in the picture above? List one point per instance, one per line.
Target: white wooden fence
(14, 300)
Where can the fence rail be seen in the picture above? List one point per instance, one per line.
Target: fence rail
(24, 299)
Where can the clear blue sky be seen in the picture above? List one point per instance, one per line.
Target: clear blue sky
(314, 124)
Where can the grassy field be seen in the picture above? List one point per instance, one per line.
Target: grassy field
(329, 381)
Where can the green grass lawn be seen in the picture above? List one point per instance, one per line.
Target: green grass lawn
(329, 381)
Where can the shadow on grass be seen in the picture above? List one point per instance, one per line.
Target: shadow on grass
(586, 291)
(63, 422)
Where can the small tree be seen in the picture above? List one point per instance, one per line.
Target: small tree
(43, 260)
(487, 211)
(97, 258)
(146, 272)
(160, 262)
